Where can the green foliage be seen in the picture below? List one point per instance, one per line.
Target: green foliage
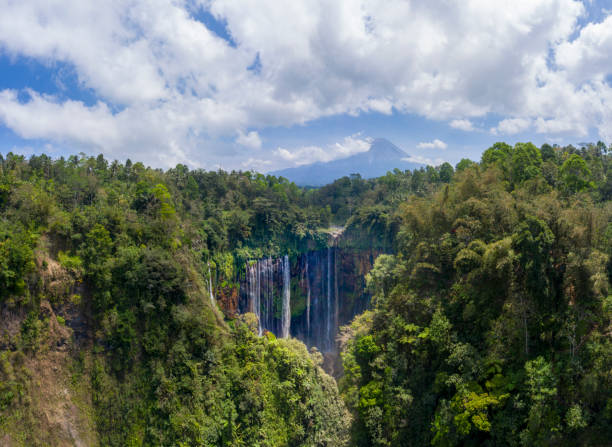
(493, 311)
(135, 243)
(464, 164)
(162, 196)
(526, 162)
(575, 174)
(575, 418)
(543, 419)
(532, 241)
(381, 277)
(446, 172)
(71, 263)
(548, 152)
(16, 259)
(32, 332)
(500, 153)
(490, 319)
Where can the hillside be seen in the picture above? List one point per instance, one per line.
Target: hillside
(466, 306)
(107, 332)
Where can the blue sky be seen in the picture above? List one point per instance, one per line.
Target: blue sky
(265, 85)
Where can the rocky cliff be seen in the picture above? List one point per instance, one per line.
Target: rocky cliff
(307, 296)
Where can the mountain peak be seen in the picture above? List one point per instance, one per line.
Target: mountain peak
(382, 147)
(383, 156)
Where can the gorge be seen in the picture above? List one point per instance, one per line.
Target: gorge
(309, 295)
(141, 307)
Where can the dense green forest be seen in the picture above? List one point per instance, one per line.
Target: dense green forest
(491, 322)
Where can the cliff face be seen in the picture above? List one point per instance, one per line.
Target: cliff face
(227, 297)
(326, 290)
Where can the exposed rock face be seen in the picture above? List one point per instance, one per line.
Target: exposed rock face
(227, 298)
(327, 289)
(335, 281)
(47, 406)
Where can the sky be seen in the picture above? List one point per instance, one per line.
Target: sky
(268, 84)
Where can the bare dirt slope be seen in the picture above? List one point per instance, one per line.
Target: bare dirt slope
(46, 400)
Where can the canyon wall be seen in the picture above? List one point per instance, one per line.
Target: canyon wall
(309, 296)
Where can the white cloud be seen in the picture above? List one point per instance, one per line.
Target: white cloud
(424, 160)
(435, 144)
(256, 164)
(250, 139)
(41, 117)
(511, 126)
(163, 80)
(384, 106)
(587, 57)
(350, 145)
(465, 125)
(303, 155)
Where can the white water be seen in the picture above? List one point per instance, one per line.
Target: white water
(286, 318)
(261, 290)
(307, 298)
(210, 290)
(336, 295)
(257, 300)
(328, 312)
(254, 291)
(268, 294)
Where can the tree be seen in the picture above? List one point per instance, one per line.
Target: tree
(548, 152)
(498, 153)
(543, 419)
(446, 172)
(166, 209)
(16, 259)
(575, 175)
(526, 162)
(382, 275)
(464, 164)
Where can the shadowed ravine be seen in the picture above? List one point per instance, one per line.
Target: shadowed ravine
(308, 296)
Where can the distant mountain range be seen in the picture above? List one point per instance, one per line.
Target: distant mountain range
(382, 157)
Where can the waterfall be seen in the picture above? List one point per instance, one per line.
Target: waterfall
(307, 299)
(319, 285)
(269, 294)
(260, 293)
(329, 298)
(336, 295)
(257, 297)
(210, 290)
(286, 319)
(263, 306)
(253, 291)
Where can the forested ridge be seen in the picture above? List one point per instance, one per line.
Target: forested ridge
(490, 322)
